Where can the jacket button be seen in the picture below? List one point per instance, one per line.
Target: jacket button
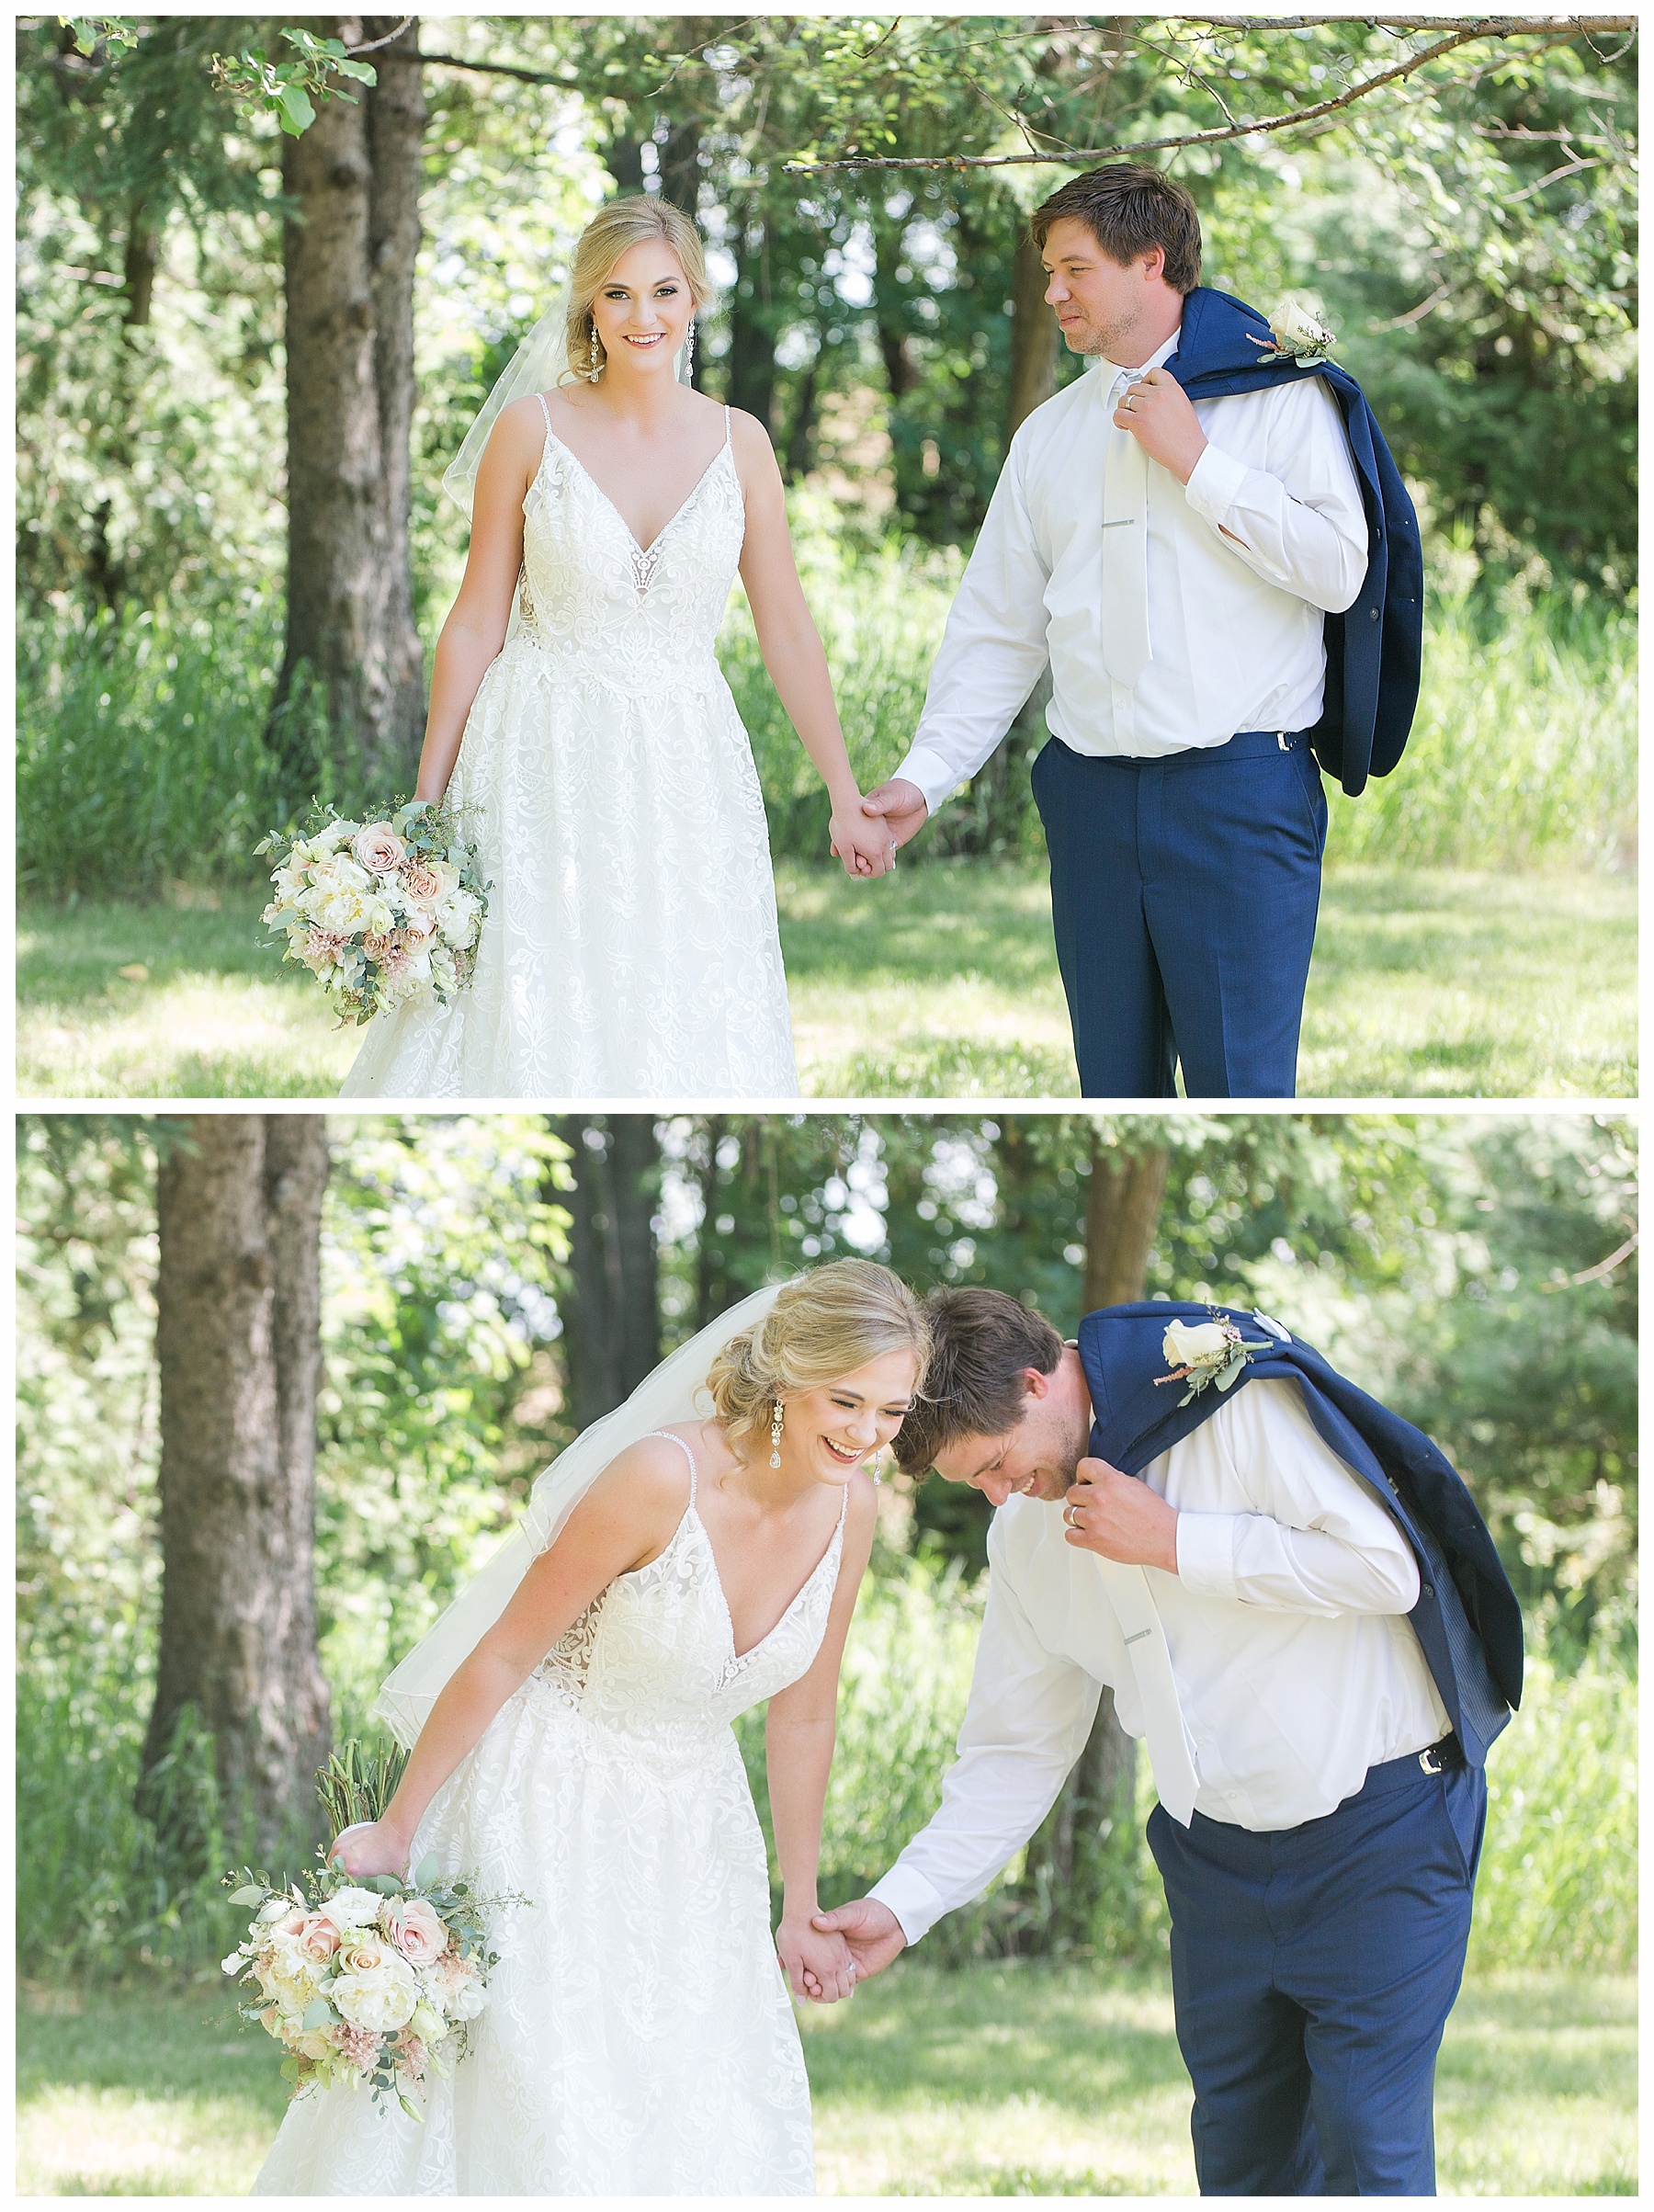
(1427, 1592)
(1372, 614)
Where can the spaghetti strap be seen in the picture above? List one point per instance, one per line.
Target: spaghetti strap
(843, 1507)
(726, 427)
(545, 410)
(686, 1452)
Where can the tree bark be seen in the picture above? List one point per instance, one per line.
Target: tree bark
(611, 1323)
(348, 260)
(1035, 339)
(1064, 1870)
(239, 1344)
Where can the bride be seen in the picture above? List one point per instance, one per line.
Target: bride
(629, 948)
(570, 1723)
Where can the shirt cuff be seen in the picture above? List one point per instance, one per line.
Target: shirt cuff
(916, 1903)
(1215, 483)
(934, 776)
(1206, 1553)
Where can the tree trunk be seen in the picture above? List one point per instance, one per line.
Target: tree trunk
(1035, 339)
(1065, 1863)
(751, 354)
(239, 1344)
(348, 260)
(611, 1324)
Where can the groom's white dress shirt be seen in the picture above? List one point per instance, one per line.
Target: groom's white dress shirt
(1235, 628)
(1296, 1669)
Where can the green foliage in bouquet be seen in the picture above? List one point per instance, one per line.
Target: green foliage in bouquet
(368, 1981)
(379, 910)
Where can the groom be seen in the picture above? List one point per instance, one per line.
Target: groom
(1217, 559)
(1297, 1605)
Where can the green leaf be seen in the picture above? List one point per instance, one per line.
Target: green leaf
(317, 2014)
(362, 72)
(289, 2069)
(386, 1884)
(293, 110)
(430, 1866)
(412, 2110)
(246, 1896)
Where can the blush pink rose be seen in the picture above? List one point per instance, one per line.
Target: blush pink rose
(379, 849)
(366, 1953)
(429, 882)
(378, 943)
(318, 1940)
(418, 926)
(416, 1931)
(292, 1924)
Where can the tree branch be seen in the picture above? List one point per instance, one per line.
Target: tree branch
(1472, 30)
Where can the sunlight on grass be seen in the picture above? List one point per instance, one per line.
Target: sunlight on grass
(1001, 2081)
(941, 983)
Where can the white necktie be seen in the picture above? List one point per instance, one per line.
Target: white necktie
(1163, 1726)
(1126, 648)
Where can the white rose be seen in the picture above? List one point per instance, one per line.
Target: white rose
(457, 918)
(381, 2001)
(1291, 326)
(352, 1908)
(1184, 1344)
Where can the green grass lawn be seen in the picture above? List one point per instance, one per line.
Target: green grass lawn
(938, 982)
(1001, 2081)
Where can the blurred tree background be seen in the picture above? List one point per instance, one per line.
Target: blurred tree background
(1479, 1275)
(244, 356)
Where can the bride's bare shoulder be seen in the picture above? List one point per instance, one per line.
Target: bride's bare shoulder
(650, 1476)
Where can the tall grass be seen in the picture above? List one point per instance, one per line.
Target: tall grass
(141, 756)
(101, 1897)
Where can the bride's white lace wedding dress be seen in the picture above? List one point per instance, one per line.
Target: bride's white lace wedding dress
(638, 2038)
(630, 945)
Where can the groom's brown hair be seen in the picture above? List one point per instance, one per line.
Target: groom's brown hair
(981, 1343)
(1129, 209)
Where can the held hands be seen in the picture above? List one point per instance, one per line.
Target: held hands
(369, 1848)
(900, 805)
(864, 846)
(871, 1930)
(1160, 415)
(816, 1965)
(1121, 1517)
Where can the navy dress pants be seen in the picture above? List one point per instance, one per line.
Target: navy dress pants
(1312, 1971)
(1184, 896)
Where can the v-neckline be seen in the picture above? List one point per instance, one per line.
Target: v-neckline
(643, 551)
(741, 1658)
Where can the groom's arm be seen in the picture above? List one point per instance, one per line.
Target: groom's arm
(1026, 1722)
(993, 651)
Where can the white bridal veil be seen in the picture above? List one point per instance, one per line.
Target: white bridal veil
(666, 1396)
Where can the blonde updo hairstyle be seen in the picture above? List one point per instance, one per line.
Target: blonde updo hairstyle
(822, 1326)
(612, 232)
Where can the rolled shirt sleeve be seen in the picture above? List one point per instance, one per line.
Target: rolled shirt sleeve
(993, 648)
(1026, 1722)
(1299, 522)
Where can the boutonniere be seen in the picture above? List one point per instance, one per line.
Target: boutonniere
(1299, 337)
(1201, 1353)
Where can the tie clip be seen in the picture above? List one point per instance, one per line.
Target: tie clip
(1138, 1637)
(1124, 523)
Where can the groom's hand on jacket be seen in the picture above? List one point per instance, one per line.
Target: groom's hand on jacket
(900, 805)
(1121, 1517)
(871, 1930)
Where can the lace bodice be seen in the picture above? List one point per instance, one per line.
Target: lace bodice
(654, 1654)
(634, 617)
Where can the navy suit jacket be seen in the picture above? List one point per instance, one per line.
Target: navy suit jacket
(1374, 648)
(1467, 1619)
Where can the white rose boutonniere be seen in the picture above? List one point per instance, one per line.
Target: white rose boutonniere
(1298, 337)
(1201, 1353)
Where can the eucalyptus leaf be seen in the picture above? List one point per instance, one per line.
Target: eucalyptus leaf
(430, 1866)
(246, 1896)
(317, 2014)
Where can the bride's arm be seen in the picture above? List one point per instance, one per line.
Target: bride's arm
(791, 647)
(624, 1521)
(475, 629)
(798, 1737)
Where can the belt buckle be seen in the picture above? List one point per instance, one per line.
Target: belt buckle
(1428, 1761)
(1281, 741)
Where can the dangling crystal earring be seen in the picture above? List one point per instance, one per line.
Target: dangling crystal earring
(775, 1436)
(596, 370)
(689, 352)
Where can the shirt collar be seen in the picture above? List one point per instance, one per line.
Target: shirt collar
(1111, 371)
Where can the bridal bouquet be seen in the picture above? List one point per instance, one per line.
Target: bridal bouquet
(369, 1982)
(379, 910)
